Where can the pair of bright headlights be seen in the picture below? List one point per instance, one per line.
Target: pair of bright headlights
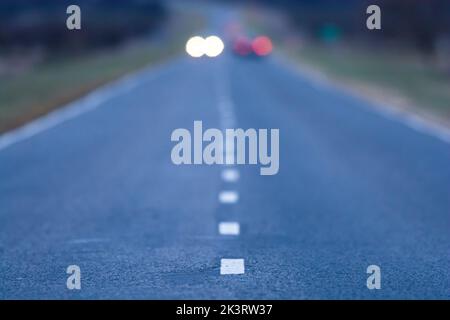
(211, 46)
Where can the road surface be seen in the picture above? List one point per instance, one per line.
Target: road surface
(95, 186)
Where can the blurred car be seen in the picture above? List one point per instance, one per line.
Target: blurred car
(259, 46)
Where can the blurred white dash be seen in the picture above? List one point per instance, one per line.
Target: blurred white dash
(232, 266)
(229, 228)
(228, 197)
(230, 175)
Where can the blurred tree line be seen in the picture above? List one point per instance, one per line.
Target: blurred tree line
(423, 24)
(42, 23)
(419, 23)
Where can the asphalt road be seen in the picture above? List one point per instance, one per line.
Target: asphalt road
(99, 190)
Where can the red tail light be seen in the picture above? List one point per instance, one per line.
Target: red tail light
(262, 46)
(242, 46)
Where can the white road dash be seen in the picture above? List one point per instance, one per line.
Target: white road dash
(229, 228)
(225, 102)
(228, 197)
(87, 240)
(230, 175)
(232, 266)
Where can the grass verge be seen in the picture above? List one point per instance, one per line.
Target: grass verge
(52, 84)
(404, 77)
(400, 78)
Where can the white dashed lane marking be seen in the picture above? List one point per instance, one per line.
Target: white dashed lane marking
(232, 266)
(229, 228)
(228, 197)
(230, 175)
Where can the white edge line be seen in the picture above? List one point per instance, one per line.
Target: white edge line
(77, 107)
(408, 119)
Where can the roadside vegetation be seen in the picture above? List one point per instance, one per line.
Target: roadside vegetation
(406, 64)
(46, 66)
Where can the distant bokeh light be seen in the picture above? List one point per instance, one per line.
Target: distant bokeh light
(195, 47)
(213, 46)
(242, 46)
(262, 46)
(330, 33)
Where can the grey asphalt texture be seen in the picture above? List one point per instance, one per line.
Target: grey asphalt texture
(100, 191)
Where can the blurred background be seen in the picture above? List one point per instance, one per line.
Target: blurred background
(44, 65)
(406, 63)
(355, 187)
